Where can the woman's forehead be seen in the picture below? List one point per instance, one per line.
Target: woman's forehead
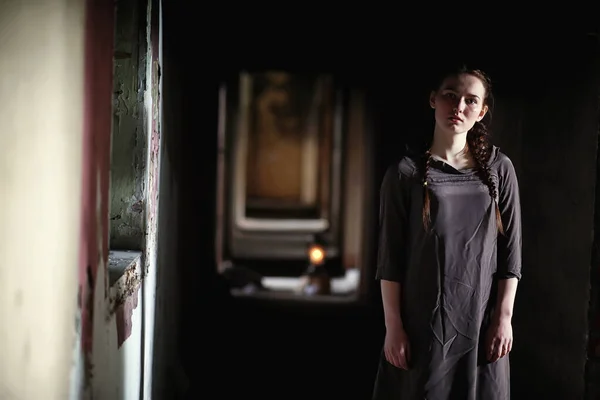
(464, 83)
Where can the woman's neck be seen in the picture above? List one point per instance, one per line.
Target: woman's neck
(452, 148)
(449, 146)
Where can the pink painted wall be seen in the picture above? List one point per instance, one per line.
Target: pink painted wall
(99, 27)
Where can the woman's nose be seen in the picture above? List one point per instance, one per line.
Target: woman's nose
(459, 106)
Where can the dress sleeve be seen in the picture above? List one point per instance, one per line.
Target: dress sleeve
(393, 225)
(510, 243)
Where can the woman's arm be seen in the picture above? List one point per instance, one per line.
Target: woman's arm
(509, 243)
(500, 335)
(393, 229)
(390, 295)
(507, 290)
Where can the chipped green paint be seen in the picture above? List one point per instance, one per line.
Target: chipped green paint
(129, 143)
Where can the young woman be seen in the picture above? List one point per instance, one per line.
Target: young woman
(450, 256)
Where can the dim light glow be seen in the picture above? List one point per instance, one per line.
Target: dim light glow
(316, 254)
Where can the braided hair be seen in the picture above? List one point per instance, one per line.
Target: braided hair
(481, 150)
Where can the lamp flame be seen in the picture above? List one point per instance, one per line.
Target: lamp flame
(316, 254)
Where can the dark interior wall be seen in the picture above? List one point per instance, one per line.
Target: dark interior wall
(546, 122)
(556, 158)
(558, 138)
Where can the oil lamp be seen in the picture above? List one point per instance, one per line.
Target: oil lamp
(317, 280)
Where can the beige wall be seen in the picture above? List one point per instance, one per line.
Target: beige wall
(41, 99)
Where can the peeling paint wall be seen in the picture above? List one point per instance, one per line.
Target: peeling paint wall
(129, 137)
(99, 25)
(117, 341)
(115, 315)
(91, 346)
(124, 336)
(162, 248)
(93, 277)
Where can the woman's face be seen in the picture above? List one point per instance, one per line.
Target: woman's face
(459, 103)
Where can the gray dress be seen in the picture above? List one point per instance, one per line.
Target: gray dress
(448, 276)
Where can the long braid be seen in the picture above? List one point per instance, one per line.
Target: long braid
(480, 148)
(426, 196)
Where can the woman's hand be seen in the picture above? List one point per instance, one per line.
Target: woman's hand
(396, 346)
(499, 339)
